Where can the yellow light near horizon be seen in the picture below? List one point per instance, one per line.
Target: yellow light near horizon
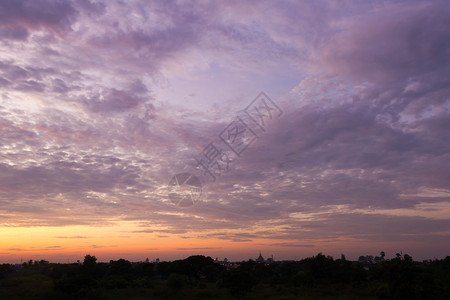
(107, 242)
(42, 239)
(119, 238)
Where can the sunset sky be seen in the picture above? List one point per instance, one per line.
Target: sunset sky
(103, 102)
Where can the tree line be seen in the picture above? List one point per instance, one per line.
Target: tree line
(200, 277)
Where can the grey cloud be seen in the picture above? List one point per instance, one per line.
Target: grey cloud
(53, 15)
(114, 101)
(292, 245)
(14, 33)
(415, 41)
(91, 8)
(204, 248)
(59, 86)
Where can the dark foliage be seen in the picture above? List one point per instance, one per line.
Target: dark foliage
(198, 277)
(195, 267)
(5, 270)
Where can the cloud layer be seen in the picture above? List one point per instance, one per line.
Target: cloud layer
(94, 119)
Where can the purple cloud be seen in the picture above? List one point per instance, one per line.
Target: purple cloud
(401, 42)
(25, 15)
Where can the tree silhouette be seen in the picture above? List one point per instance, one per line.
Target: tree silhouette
(120, 266)
(89, 261)
(90, 267)
(314, 277)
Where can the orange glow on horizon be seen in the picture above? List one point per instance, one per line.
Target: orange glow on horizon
(126, 239)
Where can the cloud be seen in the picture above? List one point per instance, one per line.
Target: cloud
(20, 17)
(14, 33)
(113, 100)
(401, 41)
(201, 248)
(49, 248)
(93, 121)
(291, 245)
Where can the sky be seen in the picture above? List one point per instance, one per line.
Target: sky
(292, 127)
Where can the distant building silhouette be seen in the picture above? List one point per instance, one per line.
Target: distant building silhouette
(260, 259)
